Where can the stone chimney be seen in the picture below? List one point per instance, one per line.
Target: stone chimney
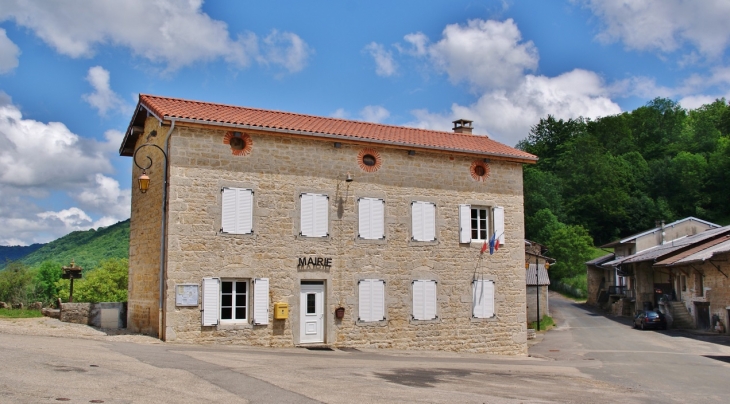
(462, 126)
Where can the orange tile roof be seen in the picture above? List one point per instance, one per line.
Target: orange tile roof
(181, 110)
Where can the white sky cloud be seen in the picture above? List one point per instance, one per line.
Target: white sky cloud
(385, 66)
(374, 113)
(168, 32)
(485, 54)
(38, 160)
(103, 98)
(287, 50)
(9, 53)
(665, 25)
(490, 57)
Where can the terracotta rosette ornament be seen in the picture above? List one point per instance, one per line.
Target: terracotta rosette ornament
(479, 170)
(369, 160)
(241, 143)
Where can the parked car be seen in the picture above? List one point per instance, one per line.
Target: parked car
(650, 319)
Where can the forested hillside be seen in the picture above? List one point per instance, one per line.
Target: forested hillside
(87, 248)
(616, 175)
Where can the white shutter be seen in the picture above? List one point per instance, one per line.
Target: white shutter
(371, 300)
(211, 301)
(378, 218)
(424, 300)
(464, 223)
(498, 212)
(261, 301)
(429, 221)
(483, 298)
(244, 222)
(364, 213)
(423, 217)
(365, 300)
(417, 221)
(228, 210)
(429, 306)
(321, 216)
(307, 215)
(371, 212)
(378, 299)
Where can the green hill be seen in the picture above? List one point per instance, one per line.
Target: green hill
(86, 248)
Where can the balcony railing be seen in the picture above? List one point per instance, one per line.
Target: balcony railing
(622, 291)
(618, 290)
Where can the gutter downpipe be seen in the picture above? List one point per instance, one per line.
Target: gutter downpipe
(163, 235)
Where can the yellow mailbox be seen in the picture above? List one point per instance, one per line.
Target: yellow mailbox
(281, 311)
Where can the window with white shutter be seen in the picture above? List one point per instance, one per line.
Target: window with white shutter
(482, 298)
(371, 223)
(237, 211)
(423, 221)
(371, 300)
(261, 301)
(424, 300)
(211, 301)
(314, 215)
(464, 223)
(498, 213)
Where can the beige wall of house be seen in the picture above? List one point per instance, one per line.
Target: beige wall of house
(704, 283)
(279, 168)
(143, 313)
(682, 229)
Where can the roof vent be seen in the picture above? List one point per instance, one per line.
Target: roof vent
(462, 126)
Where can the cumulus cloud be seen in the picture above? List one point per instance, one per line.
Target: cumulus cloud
(287, 50)
(385, 65)
(374, 113)
(9, 53)
(103, 98)
(493, 61)
(167, 32)
(37, 154)
(485, 54)
(664, 25)
(46, 160)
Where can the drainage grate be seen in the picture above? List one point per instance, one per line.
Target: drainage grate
(346, 349)
(319, 348)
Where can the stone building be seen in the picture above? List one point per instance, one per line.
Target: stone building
(537, 280)
(625, 280)
(369, 234)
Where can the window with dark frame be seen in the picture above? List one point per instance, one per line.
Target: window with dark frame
(479, 223)
(234, 301)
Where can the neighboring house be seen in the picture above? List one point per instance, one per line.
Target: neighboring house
(537, 282)
(368, 233)
(640, 280)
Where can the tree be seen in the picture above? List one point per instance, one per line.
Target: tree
(571, 246)
(46, 277)
(106, 283)
(16, 283)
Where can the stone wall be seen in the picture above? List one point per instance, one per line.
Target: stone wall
(102, 315)
(595, 277)
(278, 169)
(532, 303)
(716, 287)
(144, 235)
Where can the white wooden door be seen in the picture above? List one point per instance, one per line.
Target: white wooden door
(311, 305)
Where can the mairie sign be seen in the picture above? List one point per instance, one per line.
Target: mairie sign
(314, 262)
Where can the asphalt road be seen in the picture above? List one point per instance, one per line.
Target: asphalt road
(666, 366)
(588, 358)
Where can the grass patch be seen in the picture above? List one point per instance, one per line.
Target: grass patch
(20, 313)
(571, 297)
(546, 323)
(600, 252)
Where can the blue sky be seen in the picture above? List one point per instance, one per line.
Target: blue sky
(70, 73)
